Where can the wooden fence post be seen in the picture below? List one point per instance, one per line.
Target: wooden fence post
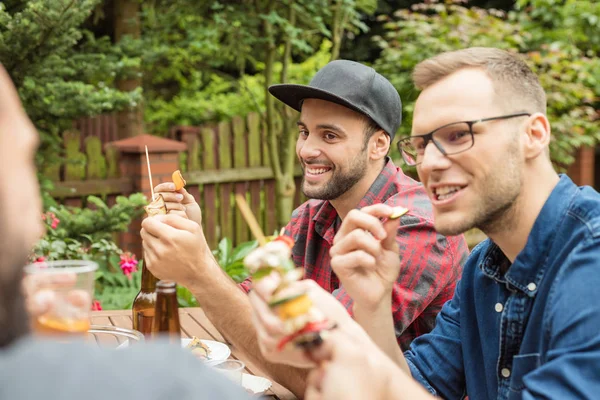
(582, 170)
(164, 159)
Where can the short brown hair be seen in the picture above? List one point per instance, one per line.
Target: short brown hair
(370, 128)
(514, 81)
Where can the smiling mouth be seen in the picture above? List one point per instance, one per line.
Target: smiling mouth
(316, 171)
(446, 192)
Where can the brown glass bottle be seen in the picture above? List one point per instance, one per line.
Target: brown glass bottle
(144, 303)
(166, 314)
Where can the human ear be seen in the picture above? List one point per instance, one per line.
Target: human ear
(537, 135)
(379, 145)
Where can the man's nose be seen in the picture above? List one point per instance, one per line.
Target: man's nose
(433, 158)
(309, 148)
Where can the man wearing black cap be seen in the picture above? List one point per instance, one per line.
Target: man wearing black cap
(349, 115)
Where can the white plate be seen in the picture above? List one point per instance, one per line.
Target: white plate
(255, 384)
(218, 351)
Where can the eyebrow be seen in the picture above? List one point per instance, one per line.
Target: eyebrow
(330, 127)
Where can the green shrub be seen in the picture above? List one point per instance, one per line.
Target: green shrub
(74, 233)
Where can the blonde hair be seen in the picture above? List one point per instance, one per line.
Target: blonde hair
(514, 81)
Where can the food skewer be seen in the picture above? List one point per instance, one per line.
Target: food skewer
(250, 219)
(304, 324)
(149, 173)
(157, 205)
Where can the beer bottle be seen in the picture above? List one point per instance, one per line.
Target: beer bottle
(144, 302)
(166, 314)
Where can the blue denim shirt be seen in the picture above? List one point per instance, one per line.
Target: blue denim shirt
(533, 332)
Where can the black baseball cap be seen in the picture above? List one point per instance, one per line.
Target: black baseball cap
(350, 84)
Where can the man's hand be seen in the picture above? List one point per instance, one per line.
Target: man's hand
(41, 299)
(365, 255)
(175, 249)
(351, 366)
(179, 202)
(270, 329)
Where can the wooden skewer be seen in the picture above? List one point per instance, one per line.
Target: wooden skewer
(250, 219)
(149, 173)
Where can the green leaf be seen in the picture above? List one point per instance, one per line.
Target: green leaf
(58, 247)
(114, 260)
(224, 252)
(243, 250)
(97, 202)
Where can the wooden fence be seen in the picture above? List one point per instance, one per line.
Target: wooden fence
(87, 169)
(222, 160)
(225, 159)
(103, 126)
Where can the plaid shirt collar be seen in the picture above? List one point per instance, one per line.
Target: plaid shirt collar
(327, 219)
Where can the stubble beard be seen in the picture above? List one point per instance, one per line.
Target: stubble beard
(496, 209)
(13, 314)
(340, 181)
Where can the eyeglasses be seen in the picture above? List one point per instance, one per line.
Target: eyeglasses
(449, 139)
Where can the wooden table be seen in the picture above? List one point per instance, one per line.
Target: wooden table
(195, 323)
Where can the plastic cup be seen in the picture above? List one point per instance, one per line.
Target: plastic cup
(67, 288)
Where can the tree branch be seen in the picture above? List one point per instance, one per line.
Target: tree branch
(45, 36)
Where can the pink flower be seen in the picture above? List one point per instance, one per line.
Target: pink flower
(41, 262)
(128, 264)
(96, 306)
(55, 222)
(50, 216)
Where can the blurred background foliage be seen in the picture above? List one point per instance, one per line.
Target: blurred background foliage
(189, 62)
(205, 60)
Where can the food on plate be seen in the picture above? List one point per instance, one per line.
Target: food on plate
(156, 207)
(304, 324)
(199, 349)
(178, 180)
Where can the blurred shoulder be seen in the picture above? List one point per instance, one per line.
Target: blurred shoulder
(158, 370)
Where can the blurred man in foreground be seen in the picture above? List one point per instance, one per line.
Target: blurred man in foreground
(36, 369)
(522, 322)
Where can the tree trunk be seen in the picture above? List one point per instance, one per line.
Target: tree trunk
(277, 156)
(285, 200)
(286, 187)
(130, 122)
(336, 31)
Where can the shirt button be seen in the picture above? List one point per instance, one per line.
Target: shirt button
(505, 372)
(498, 307)
(531, 287)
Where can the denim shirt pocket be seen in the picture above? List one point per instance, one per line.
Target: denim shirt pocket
(522, 365)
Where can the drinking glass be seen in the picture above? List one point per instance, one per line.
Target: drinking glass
(68, 288)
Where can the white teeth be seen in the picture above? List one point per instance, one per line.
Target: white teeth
(445, 192)
(317, 171)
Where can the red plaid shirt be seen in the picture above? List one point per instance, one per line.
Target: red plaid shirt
(432, 263)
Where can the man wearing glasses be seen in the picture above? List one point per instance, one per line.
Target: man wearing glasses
(523, 322)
